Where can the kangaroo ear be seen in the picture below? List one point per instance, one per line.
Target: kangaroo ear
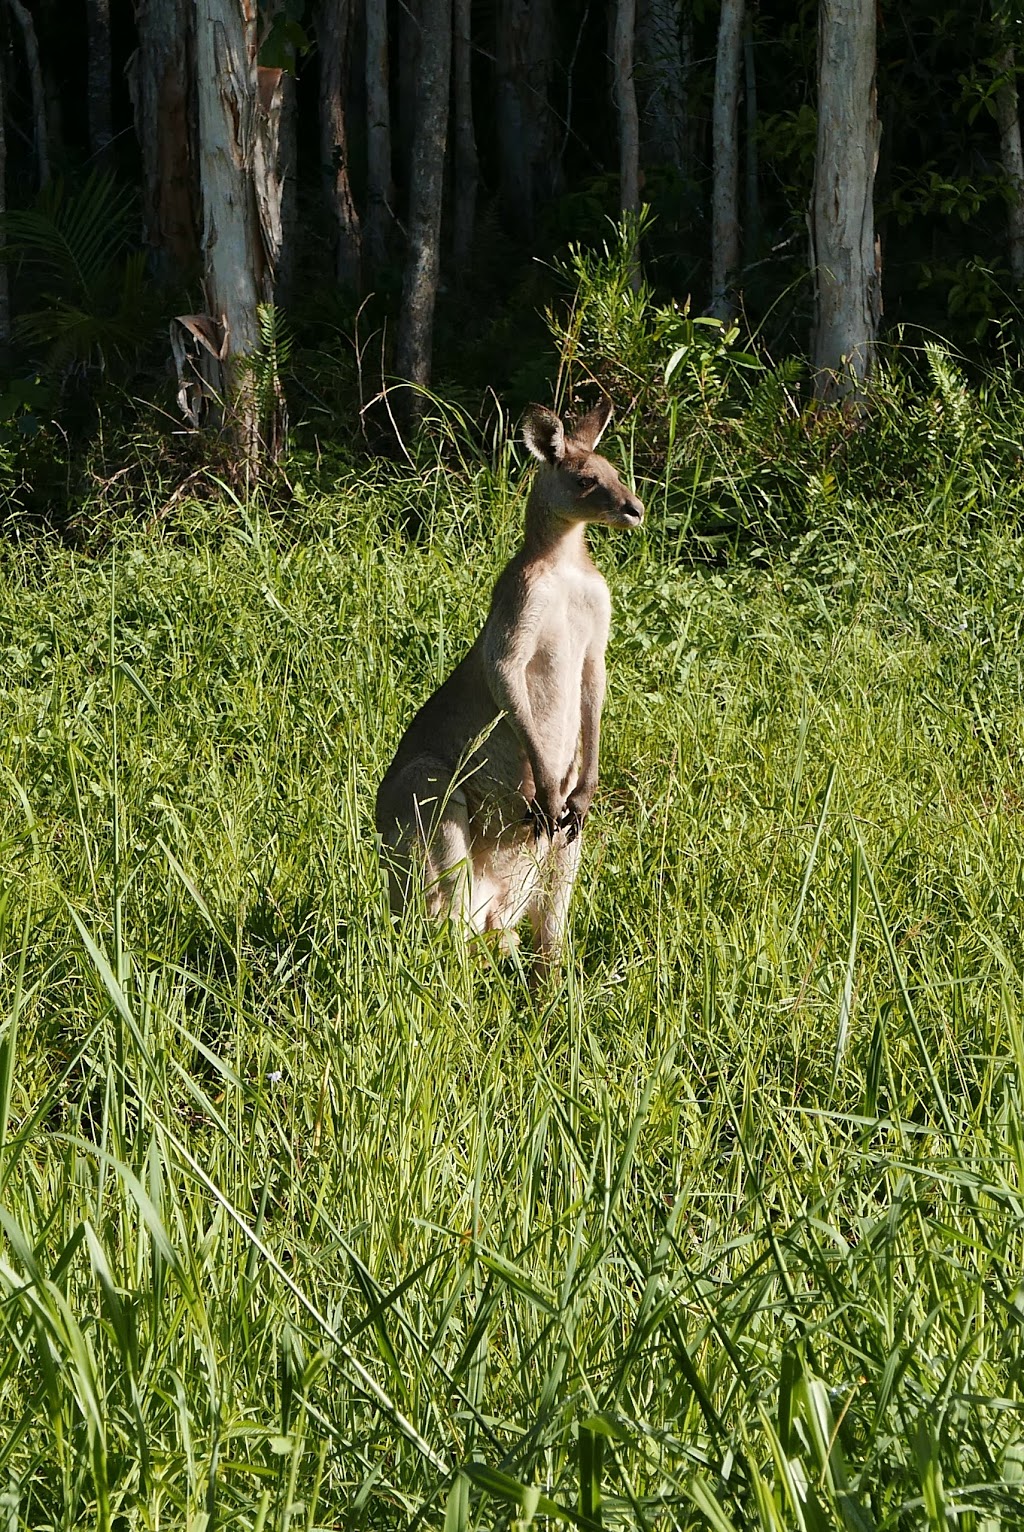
(543, 434)
(591, 428)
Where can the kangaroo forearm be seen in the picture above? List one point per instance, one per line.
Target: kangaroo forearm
(508, 687)
(590, 733)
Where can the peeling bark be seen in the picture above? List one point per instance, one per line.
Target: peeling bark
(725, 225)
(287, 162)
(160, 80)
(334, 25)
(239, 121)
(845, 255)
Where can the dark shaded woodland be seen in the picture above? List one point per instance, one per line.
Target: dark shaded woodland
(393, 186)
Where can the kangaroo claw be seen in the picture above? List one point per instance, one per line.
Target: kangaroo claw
(540, 820)
(571, 821)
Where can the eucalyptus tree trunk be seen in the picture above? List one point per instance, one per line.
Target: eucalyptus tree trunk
(845, 255)
(160, 79)
(752, 205)
(40, 131)
(625, 101)
(239, 107)
(409, 31)
(5, 290)
(333, 28)
(287, 171)
(380, 194)
(467, 169)
(97, 20)
(423, 261)
(1008, 119)
(661, 81)
(725, 224)
(524, 56)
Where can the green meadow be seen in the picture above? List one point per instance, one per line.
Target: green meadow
(309, 1221)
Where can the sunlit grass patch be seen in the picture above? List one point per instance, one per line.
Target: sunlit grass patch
(309, 1220)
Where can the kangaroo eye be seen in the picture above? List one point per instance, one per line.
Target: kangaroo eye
(586, 481)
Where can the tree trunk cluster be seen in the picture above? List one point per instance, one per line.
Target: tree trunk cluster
(436, 119)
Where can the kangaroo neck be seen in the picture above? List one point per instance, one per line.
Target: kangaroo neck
(551, 537)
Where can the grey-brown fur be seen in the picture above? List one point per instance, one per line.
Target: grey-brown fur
(485, 799)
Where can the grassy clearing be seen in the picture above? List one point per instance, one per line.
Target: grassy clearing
(310, 1223)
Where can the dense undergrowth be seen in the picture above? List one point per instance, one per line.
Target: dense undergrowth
(312, 1222)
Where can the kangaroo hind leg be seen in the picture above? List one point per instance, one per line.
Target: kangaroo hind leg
(426, 842)
(549, 907)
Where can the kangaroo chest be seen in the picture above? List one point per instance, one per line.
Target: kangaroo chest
(570, 620)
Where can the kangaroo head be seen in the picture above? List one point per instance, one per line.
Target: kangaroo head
(577, 483)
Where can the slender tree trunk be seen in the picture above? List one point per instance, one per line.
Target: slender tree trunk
(422, 271)
(40, 133)
(625, 100)
(467, 171)
(5, 291)
(845, 255)
(239, 119)
(380, 193)
(97, 14)
(752, 208)
(725, 226)
(1008, 119)
(409, 29)
(334, 26)
(523, 65)
(161, 79)
(661, 81)
(288, 165)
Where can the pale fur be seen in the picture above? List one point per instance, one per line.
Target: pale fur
(484, 801)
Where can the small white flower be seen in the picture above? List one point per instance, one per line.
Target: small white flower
(275, 1076)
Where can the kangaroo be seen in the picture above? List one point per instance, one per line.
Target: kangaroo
(485, 800)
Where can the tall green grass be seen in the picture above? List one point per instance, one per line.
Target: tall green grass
(310, 1222)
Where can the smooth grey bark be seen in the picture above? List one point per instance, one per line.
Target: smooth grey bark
(239, 105)
(334, 28)
(97, 15)
(661, 81)
(40, 132)
(467, 170)
(845, 254)
(423, 262)
(378, 220)
(1008, 120)
(524, 57)
(160, 79)
(725, 224)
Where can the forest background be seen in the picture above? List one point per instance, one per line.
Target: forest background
(309, 1221)
(365, 194)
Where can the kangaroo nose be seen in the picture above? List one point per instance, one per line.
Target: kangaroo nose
(634, 508)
